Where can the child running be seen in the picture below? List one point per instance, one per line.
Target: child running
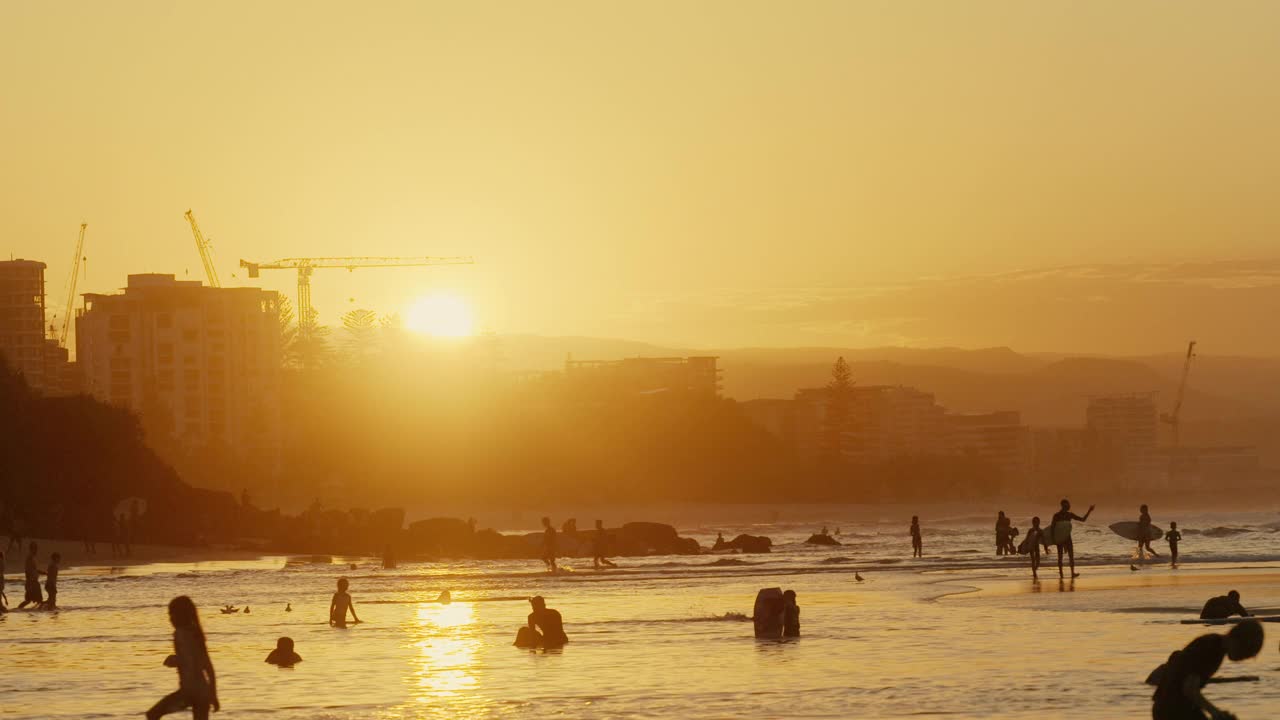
(340, 605)
(1174, 537)
(197, 684)
(917, 545)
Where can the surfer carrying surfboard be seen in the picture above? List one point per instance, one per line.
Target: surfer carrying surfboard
(1060, 534)
(1144, 533)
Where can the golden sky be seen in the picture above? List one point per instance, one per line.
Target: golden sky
(664, 171)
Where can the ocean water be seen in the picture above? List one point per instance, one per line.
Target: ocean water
(959, 634)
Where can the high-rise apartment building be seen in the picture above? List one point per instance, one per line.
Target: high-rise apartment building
(1127, 427)
(23, 341)
(204, 362)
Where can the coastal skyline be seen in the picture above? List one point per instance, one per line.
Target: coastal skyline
(841, 175)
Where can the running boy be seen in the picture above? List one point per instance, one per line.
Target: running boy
(1174, 537)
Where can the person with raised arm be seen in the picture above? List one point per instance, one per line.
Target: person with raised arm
(1060, 530)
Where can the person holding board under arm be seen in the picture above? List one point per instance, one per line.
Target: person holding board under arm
(1060, 531)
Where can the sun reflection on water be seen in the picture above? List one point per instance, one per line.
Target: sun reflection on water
(446, 640)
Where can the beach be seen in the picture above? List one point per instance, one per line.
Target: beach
(958, 634)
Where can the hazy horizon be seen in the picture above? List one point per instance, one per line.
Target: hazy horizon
(837, 174)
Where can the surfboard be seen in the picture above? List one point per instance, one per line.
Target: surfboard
(1233, 620)
(1058, 532)
(1129, 531)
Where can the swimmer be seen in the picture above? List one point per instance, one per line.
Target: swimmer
(283, 655)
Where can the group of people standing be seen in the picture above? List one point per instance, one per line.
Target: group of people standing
(31, 582)
(551, 545)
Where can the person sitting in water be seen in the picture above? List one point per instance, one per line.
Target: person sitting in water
(548, 622)
(1178, 695)
(283, 655)
(1223, 607)
(340, 604)
(790, 615)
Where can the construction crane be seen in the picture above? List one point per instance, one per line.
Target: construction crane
(69, 308)
(306, 266)
(206, 251)
(1174, 418)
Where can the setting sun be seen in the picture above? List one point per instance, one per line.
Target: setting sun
(440, 316)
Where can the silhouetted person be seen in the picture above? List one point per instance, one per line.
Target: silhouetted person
(197, 684)
(1061, 531)
(388, 559)
(570, 526)
(1173, 537)
(1223, 607)
(1002, 532)
(548, 622)
(720, 543)
(283, 655)
(32, 585)
(768, 615)
(1032, 542)
(4, 597)
(339, 606)
(917, 543)
(51, 582)
(790, 615)
(1144, 533)
(1178, 695)
(598, 543)
(549, 544)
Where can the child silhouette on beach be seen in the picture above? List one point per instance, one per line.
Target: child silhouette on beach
(340, 605)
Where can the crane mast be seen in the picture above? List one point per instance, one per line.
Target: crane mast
(206, 251)
(307, 266)
(1174, 418)
(71, 288)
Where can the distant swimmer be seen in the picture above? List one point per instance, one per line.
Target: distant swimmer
(1060, 530)
(197, 684)
(284, 656)
(444, 598)
(856, 576)
(790, 615)
(1173, 537)
(1178, 695)
(246, 609)
(549, 544)
(599, 543)
(1223, 607)
(1144, 533)
(228, 609)
(547, 623)
(917, 544)
(340, 605)
(32, 596)
(288, 607)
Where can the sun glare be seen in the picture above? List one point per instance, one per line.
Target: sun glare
(440, 316)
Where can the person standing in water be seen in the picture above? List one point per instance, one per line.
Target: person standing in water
(33, 596)
(790, 615)
(1174, 537)
(51, 583)
(598, 543)
(549, 544)
(1002, 533)
(1032, 542)
(339, 606)
(917, 544)
(197, 684)
(1144, 533)
(1061, 530)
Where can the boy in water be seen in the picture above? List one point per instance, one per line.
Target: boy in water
(339, 606)
(1174, 537)
(917, 545)
(598, 545)
(197, 684)
(51, 583)
(283, 655)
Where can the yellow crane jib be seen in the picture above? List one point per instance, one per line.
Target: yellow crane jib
(306, 266)
(206, 251)
(71, 288)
